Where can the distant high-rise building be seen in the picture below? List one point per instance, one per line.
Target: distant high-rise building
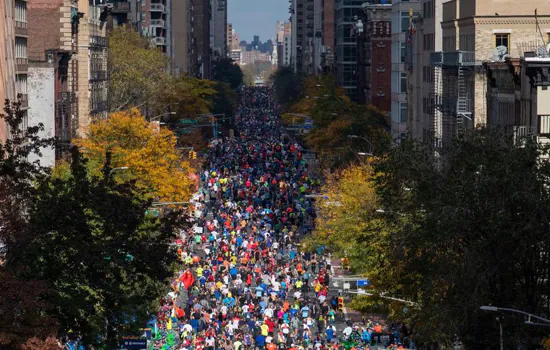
(229, 38)
(201, 29)
(218, 28)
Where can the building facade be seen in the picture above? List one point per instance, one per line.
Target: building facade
(201, 57)
(218, 29)
(377, 58)
(8, 89)
(403, 12)
(346, 42)
(181, 36)
(473, 33)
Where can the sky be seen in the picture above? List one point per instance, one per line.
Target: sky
(256, 17)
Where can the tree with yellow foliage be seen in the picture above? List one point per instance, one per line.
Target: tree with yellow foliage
(348, 222)
(149, 154)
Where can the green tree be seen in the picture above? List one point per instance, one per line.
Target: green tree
(287, 86)
(226, 71)
(138, 74)
(472, 231)
(114, 282)
(22, 303)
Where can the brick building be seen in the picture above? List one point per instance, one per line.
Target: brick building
(378, 56)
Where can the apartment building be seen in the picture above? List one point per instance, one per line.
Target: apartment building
(218, 28)
(376, 58)
(181, 36)
(347, 40)
(229, 38)
(424, 120)
(298, 35)
(473, 33)
(328, 39)
(402, 14)
(8, 88)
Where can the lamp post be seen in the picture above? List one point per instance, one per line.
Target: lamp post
(364, 139)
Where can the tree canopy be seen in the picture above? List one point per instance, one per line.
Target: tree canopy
(149, 155)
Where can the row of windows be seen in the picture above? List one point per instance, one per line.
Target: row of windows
(429, 9)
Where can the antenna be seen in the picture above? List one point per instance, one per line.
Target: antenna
(538, 28)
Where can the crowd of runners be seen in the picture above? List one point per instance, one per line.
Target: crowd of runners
(245, 284)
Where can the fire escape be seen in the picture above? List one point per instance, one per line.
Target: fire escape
(451, 99)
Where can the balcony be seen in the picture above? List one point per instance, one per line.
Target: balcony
(98, 75)
(158, 40)
(158, 23)
(120, 7)
(158, 8)
(544, 125)
(21, 28)
(21, 65)
(24, 99)
(453, 58)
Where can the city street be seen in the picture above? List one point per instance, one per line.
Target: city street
(245, 283)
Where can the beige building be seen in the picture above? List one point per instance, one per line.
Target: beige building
(471, 32)
(8, 68)
(92, 82)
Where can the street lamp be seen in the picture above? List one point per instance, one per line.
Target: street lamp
(118, 169)
(362, 138)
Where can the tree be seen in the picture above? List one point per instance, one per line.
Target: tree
(22, 303)
(348, 223)
(225, 101)
(114, 282)
(226, 71)
(248, 72)
(287, 86)
(138, 73)
(472, 231)
(149, 154)
(187, 97)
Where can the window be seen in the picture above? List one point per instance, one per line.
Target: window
(21, 11)
(21, 84)
(403, 83)
(403, 112)
(403, 52)
(405, 23)
(20, 47)
(502, 39)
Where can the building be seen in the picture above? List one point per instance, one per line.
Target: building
(376, 61)
(283, 43)
(424, 120)
(236, 56)
(91, 56)
(518, 98)
(42, 107)
(181, 36)
(348, 12)
(218, 28)
(229, 38)
(287, 45)
(201, 58)
(328, 34)
(8, 89)
(153, 19)
(248, 57)
(403, 12)
(473, 33)
(298, 42)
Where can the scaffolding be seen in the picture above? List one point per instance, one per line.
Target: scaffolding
(451, 98)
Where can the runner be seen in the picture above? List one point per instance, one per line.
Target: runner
(245, 284)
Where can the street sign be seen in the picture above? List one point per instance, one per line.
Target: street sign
(363, 283)
(152, 212)
(133, 344)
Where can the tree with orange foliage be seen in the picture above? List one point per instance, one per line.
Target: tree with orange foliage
(149, 154)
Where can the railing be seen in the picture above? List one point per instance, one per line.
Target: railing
(99, 41)
(158, 23)
(158, 40)
(452, 58)
(98, 75)
(157, 7)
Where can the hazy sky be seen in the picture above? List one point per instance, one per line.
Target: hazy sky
(256, 17)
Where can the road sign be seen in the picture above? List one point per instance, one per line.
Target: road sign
(363, 283)
(152, 212)
(133, 344)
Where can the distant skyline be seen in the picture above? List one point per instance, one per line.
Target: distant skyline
(256, 17)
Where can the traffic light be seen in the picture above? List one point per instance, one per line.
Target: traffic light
(341, 303)
(190, 154)
(194, 154)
